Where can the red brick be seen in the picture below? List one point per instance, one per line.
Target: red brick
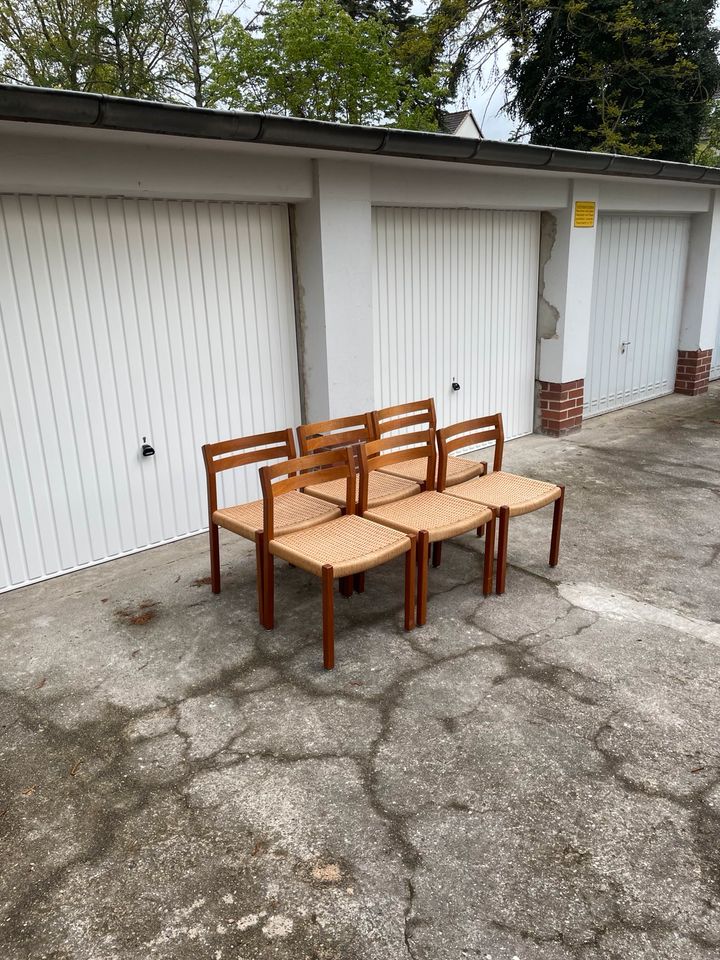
(693, 372)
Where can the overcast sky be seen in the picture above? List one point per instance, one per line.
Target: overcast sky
(486, 103)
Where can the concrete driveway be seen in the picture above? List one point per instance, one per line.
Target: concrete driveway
(529, 776)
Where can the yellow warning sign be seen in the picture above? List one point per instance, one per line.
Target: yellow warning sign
(584, 213)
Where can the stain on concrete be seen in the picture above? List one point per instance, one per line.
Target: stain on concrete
(138, 616)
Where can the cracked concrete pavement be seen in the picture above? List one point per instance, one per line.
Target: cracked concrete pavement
(527, 777)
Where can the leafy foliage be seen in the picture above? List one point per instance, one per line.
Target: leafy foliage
(312, 59)
(625, 76)
(111, 46)
(708, 150)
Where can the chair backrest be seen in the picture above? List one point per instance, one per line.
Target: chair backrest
(228, 454)
(404, 415)
(387, 451)
(330, 434)
(294, 474)
(470, 433)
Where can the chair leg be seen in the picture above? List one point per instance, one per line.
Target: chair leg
(480, 531)
(359, 582)
(346, 586)
(437, 553)
(328, 617)
(259, 573)
(268, 586)
(557, 524)
(214, 532)
(489, 556)
(410, 566)
(502, 549)
(422, 562)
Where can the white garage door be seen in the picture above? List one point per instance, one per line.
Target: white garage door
(121, 319)
(636, 311)
(455, 295)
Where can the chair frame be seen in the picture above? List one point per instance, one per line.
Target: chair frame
(325, 435)
(383, 452)
(227, 455)
(418, 412)
(327, 465)
(487, 430)
(404, 415)
(331, 434)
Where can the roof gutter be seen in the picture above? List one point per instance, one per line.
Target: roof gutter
(38, 105)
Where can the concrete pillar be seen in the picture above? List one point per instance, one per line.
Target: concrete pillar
(333, 244)
(701, 307)
(564, 307)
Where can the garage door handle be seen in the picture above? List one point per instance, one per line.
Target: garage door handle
(624, 343)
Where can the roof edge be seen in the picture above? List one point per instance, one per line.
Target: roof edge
(72, 108)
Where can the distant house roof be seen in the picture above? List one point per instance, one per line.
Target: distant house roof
(461, 123)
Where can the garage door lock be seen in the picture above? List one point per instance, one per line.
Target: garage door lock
(455, 385)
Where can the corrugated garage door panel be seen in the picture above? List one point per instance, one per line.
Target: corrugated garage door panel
(640, 264)
(122, 319)
(455, 295)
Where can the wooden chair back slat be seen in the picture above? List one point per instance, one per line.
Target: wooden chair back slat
(330, 434)
(401, 448)
(258, 448)
(470, 433)
(299, 472)
(404, 415)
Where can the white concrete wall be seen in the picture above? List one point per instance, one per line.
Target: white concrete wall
(701, 309)
(42, 159)
(334, 260)
(425, 185)
(565, 302)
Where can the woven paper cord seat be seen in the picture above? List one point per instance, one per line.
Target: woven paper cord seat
(350, 544)
(432, 511)
(382, 488)
(458, 469)
(499, 489)
(293, 511)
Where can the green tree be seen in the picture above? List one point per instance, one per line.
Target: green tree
(136, 41)
(109, 46)
(197, 28)
(312, 59)
(625, 76)
(50, 44)
(708, 150)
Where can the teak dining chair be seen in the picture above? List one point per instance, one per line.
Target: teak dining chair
(508, 494)
(429, 515)
(293, 512)
(348, 432)
(421, 413)
(339, 548)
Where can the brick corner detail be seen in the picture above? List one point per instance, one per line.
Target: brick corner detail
(693, 372)
(560, 407)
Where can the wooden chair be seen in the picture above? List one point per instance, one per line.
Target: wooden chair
(508, 494)
(296, 511)
(421, 413)
(348, 432)
(429, 515)
(339, 548)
